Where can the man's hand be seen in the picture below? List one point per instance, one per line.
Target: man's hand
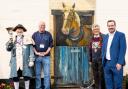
(90, 63)
(31, 64)
(41, 53)
(118, 66)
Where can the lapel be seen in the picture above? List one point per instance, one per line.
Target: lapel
(15, 38)
(114, 38)
(106, 41)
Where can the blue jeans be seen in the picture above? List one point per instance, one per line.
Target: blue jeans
(43, 62)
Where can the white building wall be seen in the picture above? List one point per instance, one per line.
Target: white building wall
(13, 12)
(30, 12)
(117, 10)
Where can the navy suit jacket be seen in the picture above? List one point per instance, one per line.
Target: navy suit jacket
(117, 49)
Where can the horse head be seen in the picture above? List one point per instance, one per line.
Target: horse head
(71, 21)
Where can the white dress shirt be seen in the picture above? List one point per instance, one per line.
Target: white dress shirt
(111, 35)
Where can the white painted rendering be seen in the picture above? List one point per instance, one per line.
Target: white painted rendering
(13, 12)
(30, 12)
(117, 10)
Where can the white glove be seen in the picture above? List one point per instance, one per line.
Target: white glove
(31, 64)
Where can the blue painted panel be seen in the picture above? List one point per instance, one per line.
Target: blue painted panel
(72, 65)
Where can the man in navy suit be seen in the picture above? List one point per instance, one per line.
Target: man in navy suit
(113, 56)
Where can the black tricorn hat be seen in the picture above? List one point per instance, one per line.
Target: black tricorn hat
(20, 26)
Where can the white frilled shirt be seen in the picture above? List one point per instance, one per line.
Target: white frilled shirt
(19, 52)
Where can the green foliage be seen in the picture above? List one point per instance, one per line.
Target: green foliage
(6, 86)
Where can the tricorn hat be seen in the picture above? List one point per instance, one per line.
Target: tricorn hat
(20, 26)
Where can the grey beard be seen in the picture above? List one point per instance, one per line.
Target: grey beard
(19, 34)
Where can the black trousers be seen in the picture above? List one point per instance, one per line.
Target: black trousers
(19, 73)
(98, 74)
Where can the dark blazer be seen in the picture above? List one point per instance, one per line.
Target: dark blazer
(117, 49)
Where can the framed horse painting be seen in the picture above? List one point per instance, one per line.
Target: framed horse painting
(72, 36)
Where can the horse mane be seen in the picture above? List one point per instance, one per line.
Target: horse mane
(76, 34)
(77, 18)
